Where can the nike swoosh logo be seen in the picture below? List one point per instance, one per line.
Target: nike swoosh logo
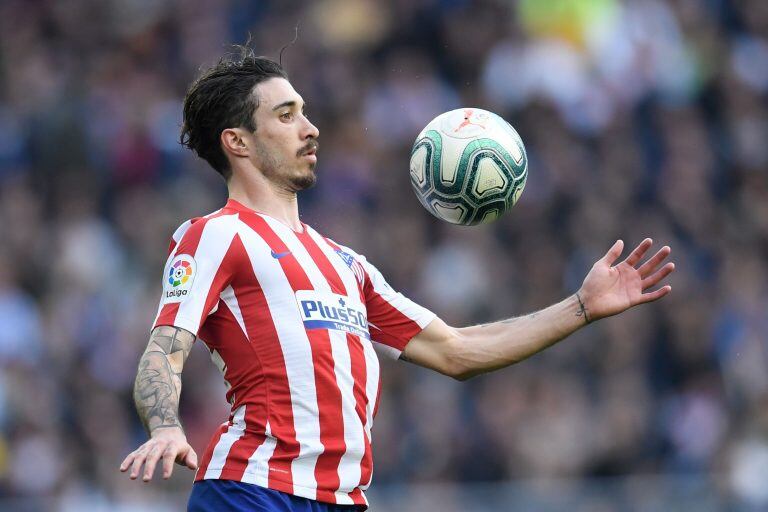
(278, 255)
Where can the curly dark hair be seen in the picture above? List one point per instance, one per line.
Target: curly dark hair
(223, 97)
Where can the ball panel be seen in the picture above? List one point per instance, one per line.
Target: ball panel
(517, 193)
(492, 148)
(490, 216)
(493, 154)
(487, 213)
(454, 213)
(510, 139)
(419, 159)
(450, 176)
(489, 177)
(457, 209)
(425, 161)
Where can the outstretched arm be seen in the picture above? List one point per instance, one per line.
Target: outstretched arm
(608, 289)
(156, 393)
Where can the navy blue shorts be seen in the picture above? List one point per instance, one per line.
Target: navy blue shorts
(231, 496)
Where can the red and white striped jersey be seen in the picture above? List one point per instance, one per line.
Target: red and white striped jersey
(289, 318)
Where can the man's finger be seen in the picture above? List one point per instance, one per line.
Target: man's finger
(636, 255)
(613, 253)
(127, 461)
(654, 279)
(649, 266)
(169, 457)
(152, 457)
(656, 295)
(191, 459)
(138, 461)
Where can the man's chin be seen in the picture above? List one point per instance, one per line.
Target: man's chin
(304, 181)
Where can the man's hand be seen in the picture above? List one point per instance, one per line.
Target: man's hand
(170, 444)
(156, 393)
(610, 289)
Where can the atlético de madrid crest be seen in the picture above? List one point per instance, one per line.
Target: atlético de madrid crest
(353, 265)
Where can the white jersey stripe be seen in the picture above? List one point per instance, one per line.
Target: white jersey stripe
(298, 361)
(221, 451)
(179, 233)
(230, 299)
(257, 471)
(371, 359)
(347, 277)
(214, 243)
(371, 391)
(349, 465)
(288, 237)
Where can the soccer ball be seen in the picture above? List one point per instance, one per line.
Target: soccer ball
(468, 166)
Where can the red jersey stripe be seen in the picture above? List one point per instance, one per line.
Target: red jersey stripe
(328, 260)
(328, 393)
(336, 247)
(393, 327)
(206, 456)
(248, 374)
(353, 342)
(281, 413)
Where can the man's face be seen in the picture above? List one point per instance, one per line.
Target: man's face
(285, 141)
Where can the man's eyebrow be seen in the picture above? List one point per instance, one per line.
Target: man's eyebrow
(290, 103)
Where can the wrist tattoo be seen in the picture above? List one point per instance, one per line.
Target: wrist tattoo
(176, 425)
(582, 310)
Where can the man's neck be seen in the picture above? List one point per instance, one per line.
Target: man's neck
(265, 197)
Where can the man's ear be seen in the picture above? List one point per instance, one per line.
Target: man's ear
(234, 142)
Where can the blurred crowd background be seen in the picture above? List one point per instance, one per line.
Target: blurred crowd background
(640, 117)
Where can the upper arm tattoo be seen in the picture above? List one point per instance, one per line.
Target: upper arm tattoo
(158, 381)
(174, 342)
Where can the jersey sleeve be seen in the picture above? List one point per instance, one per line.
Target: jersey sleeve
(393, 319)
(198, 269)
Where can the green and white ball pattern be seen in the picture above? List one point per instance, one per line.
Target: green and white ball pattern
(468, 166)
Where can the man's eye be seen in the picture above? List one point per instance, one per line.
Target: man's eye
(286, 116)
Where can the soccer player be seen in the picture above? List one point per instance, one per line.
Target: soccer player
(291, 317)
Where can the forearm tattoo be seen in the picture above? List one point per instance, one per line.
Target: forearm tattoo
(158, 381)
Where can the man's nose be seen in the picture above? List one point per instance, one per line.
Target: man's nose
(310, 130)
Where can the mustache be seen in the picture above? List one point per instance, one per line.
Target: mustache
(312, 145)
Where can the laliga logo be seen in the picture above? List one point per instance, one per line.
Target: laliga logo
(179, 273)
(178, 276)
(175, 293)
